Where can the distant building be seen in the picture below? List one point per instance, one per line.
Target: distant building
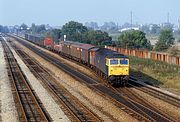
(48, 27)
(109, 26)
(92, 25)
(127, 29)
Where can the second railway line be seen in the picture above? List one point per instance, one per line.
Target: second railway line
(28, 105)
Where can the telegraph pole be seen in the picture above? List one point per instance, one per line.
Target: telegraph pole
(117, 26)
(131, 19)
(168, 17)
(178, 24)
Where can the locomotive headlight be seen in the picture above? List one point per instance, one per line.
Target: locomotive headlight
(126, 69)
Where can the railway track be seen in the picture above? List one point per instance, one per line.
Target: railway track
(156, 93)
(75, 110)
(155, 113)
(29, 107)
(131, 107)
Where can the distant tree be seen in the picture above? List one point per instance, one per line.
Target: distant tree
(126, 25)
(134, 39)
(167, 26)
(177, 32)
(165, 41)
(178, 40)
(38, 29)
(56, 34)
(155, 29)
(4, 29)
(23, 27)
(74, 31)
(48, 34)
(109, 26)
(97, 38)
(41, 28)
(145, 29)
(33, 28)
(1, 28)
(91, 25)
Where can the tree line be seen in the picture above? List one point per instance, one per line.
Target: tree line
(135, 39)
(4, 29)
(75, 31)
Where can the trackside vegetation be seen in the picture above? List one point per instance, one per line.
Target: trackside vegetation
(166, 40)
(156, 73)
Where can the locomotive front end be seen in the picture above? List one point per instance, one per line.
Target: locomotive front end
(118, 70)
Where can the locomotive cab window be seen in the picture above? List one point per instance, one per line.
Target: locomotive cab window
(123, 61)
(114, 61)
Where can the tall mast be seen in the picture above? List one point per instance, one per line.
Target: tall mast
(131, 19)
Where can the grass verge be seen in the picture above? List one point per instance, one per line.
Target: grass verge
(157, 73)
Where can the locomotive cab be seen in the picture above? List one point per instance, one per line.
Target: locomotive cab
(118, 70)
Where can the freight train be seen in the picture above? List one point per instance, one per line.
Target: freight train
(110, 65)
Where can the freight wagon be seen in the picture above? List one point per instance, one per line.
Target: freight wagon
(39, 40)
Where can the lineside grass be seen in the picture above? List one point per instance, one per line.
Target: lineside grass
(156, 73)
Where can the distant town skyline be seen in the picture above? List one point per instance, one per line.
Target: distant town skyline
(58, 12)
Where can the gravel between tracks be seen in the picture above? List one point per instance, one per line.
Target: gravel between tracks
(8, 111)
(92, 100)
(163, 106)
(52, 108)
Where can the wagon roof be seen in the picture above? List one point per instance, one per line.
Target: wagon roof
(78, 45)
(82, 46)
(66, 42)
(87, 46)
(38, 36)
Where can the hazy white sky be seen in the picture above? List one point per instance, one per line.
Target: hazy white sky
(58, 12)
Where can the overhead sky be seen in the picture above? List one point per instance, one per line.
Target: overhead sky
(58, 12)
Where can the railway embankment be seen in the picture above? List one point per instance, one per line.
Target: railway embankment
(156, 73)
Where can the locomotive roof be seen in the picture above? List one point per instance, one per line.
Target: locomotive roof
(110, 53)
